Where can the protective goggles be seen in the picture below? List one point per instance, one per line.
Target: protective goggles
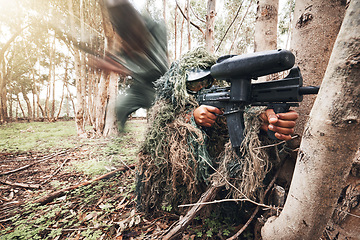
(198, 79)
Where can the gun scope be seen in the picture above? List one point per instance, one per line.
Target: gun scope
(253, 65)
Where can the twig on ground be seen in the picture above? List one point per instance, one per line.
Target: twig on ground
(348, 213)
(275, 144)
(48, 198)
(258, 207)
(34, 163)
(191, 214)
(232, 185)
(22, 185)
(55, 172)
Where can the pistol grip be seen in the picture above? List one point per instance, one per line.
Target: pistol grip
(278, 108)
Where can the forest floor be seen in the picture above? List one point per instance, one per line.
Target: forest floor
(54, 185)
(40, 159)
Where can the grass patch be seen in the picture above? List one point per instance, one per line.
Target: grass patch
(40, 136)
(103, 154)
(115, 152)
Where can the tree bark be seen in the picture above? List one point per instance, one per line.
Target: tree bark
(107, 90)
(111, 128)
(175, 33)
(3, 94)
(28, 104)
(188, 24)
(63, 93)
(330, 142)
(210, 25)
(101, 102)
(21, 108)
(3, 80)
(53, 83)
(78, 62)
(316, 25)
(265, 37)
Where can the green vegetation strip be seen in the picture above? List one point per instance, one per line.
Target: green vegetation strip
(40, 136)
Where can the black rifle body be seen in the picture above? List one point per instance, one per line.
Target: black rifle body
(279, 95)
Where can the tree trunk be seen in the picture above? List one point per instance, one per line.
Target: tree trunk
(316, 25)
(47, 97)
(71, 99)
(164, 11)
(188, 24)
(79, 109)
(265, 37)
(210, 25)
(62, 95)
(80, 97)
(39, 104)
(28, 104)
(181, 36)
(53, 85)
(3, 80)
(3, 100)
(101, 102)
(175, 32)
(21, 108)
(108, 88)
(330, 142)
(110, 121)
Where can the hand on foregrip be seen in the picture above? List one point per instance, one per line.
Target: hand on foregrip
(282, 124)
(205, 115)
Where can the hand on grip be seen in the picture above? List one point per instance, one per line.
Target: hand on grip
(279, 125)
(205, 115)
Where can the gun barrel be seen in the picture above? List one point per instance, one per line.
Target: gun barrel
(308, 90)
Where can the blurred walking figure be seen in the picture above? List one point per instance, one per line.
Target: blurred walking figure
(143, 54)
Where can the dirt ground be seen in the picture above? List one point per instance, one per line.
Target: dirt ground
(25, 177)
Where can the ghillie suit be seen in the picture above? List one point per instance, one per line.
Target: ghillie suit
(177, 159)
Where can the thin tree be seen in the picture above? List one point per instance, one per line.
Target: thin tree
(265, 37)
(210, 25)
(79, 116)
(188, 23)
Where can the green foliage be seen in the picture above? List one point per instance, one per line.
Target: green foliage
(24, 137)
(213, 225)
(167, 208)
(80, 211)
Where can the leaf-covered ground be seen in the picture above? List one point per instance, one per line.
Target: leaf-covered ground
(47, 161)
(39, 159)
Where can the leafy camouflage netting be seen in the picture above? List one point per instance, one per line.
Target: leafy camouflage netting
(177, 158)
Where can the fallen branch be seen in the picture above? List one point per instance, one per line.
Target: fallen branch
(48, 198)
(34, 163)
(22, 185)
(55, 172)
(245, 198)
(191, 214)
(258, 206)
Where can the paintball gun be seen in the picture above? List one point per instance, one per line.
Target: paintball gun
(239, 70)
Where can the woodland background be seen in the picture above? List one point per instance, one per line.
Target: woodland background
(44, 76)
